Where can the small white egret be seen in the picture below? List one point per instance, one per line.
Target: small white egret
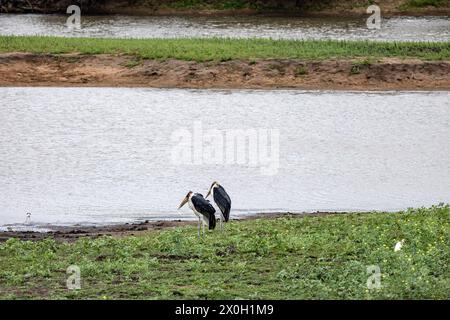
(28, 218)
(398, 245)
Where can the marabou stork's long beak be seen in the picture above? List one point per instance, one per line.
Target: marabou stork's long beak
(185, 200)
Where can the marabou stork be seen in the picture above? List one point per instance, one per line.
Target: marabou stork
(202, 209)
(222, 200)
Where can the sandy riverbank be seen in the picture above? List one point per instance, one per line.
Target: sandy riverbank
(106, 70)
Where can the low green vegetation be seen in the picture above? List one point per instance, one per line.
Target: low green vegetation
(295, 6)
(301, 71)
(133, 63)
(217, 5)
(355, 69)
(321, 257)
(425, 3)
(304, 5)
(227, 49)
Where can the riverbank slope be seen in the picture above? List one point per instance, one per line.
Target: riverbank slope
(288, 257)
(224, 63)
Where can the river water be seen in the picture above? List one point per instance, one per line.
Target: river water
(392, 29)
(106, 155)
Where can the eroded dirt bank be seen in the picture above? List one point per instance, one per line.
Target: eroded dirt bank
(23, 69)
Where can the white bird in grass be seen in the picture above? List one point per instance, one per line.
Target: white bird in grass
(202, 209)
(28, 219)
(398, 245)
(222, 200)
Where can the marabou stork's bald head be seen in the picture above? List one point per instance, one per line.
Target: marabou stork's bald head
(185, 199)
(215, 183)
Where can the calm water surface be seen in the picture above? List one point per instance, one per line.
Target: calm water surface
(395, 28)
(103, 155)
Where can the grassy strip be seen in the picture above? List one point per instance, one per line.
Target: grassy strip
(304, 5)
(218, 5)
(310, 257)
(226, 49)
(425, 3)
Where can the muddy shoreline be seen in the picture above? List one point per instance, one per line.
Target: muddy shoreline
(105, 70)
(73, 233)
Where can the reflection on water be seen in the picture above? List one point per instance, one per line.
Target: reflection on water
(103, 155)
(395, 28)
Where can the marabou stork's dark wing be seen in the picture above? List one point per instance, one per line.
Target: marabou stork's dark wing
(205, 208)
(223, 201)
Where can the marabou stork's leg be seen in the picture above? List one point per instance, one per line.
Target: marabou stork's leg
(221, 223)
(199, 227)
(203, 228)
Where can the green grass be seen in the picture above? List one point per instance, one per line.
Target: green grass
(286, 258)
(306, 5)
(355, 69)
(301, 71)
(133, 63)
(226, 49)
(425, 3)
(216, 5)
